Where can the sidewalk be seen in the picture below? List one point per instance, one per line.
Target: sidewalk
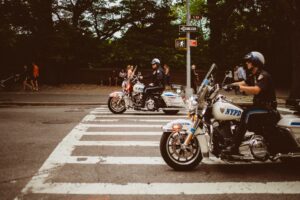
(84, 94)
(71, 94)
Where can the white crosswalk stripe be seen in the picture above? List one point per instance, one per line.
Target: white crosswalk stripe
(121, 125)
(118, 143)
(123, 133)
(101, 118)
(135, 115)
(292, 187)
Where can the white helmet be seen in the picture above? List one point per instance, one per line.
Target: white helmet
(155, 61)
(256, 58)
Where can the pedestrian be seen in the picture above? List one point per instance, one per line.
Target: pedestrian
(235, 74)
(26, 78)
(241, 73)
(35, 76)
(122, 75)
(167, 75)
(236, 78)
(194, 78)
(129, 72)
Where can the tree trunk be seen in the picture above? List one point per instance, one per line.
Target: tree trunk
(292, 8)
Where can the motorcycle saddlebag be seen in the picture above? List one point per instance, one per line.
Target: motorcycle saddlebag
(292, 123)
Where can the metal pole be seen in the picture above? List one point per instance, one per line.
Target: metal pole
(188, 53)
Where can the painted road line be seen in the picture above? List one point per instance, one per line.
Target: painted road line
(102, 108)
(92, 118)
(118, 143)
(56, 159)
(158, 115)
(149, 120)
(288, 187)
(88, 118)
(135, 113)
(285, 110)
(122, 133)
(102, 120)
(122, 125)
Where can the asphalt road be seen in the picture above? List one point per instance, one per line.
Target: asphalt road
(89, 153)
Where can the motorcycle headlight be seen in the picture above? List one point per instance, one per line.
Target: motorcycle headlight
(176, 127)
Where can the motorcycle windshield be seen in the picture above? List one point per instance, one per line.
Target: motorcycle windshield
(206, 78)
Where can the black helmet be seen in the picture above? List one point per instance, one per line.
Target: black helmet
(256, 58)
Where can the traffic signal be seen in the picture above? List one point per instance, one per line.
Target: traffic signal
(180, 43)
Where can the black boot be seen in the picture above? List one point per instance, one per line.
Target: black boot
(232, 150)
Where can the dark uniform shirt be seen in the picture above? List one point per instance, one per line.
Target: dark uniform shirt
(266, 96)
(158, 77)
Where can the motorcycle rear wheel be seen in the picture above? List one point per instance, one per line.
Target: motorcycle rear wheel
(114, 107)
(177, 158)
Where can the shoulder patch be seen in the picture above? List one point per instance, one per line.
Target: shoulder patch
(260, 77)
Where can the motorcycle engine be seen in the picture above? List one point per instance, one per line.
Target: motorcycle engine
(137, 98)
(150, 104)
(259, 148)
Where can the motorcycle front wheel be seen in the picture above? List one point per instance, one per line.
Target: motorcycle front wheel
(116, 105)
(176, 157)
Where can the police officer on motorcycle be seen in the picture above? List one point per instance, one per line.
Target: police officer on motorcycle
(263, 111)
(157, 76)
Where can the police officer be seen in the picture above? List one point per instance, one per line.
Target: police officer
(263, 111)
(157, 84)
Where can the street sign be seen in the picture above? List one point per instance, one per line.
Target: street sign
(196, 17)
(184, 28)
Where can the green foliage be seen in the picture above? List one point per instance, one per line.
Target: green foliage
(62, 34)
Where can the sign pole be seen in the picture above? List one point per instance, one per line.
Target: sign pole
(188, 91)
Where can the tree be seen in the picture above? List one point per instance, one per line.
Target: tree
(292, 13)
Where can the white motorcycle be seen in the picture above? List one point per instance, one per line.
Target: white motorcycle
(213, 120)
(131, 97)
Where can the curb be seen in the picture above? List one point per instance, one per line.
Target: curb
(50, 103)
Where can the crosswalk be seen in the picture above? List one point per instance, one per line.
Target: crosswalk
(107, 154)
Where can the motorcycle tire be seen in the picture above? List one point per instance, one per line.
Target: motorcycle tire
(175, 164)
(171, 112)
(109, 103)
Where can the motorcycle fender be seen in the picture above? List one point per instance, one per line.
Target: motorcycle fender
(203, 142)
(186, 125)
(116, 94)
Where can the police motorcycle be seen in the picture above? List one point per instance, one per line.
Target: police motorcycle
(131, 97)
(210, 128)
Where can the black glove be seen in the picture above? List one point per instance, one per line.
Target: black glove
(235, 87)
(230, 87)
